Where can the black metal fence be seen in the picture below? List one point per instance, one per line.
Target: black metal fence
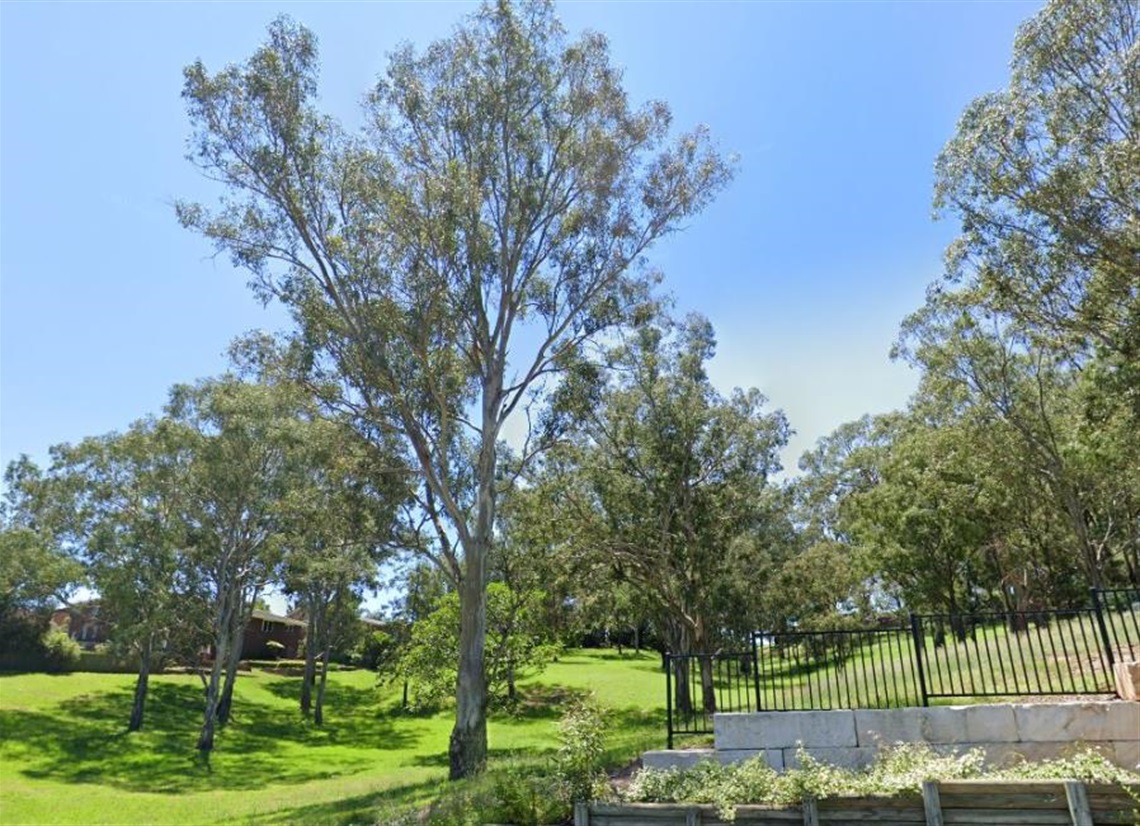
(699, 685)
(1118, 610)
(937, 656)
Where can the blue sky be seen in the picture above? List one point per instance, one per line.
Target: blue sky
(805, 265)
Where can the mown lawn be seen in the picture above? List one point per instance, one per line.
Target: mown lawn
(65, 756)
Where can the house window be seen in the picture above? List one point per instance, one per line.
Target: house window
(267, 626)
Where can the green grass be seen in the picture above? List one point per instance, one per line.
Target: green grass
(65, 756)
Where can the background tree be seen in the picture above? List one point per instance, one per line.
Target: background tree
(445, 265)
(518, 644)
(245, 443)
(36, 572)
(1045, 177)
(675, 486)
(121, 500)
(336, 529)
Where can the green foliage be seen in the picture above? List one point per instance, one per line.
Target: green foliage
(670, 484)
(61, 652)
(517, 645)
(580, 763)
(898, 770)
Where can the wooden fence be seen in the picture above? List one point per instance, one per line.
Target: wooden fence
(976, 802)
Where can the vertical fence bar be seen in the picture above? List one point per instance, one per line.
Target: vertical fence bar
(756, 672)
(1109, 655)
(916, 634)
(669, 701)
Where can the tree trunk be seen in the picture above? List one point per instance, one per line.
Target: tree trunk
(319, 711)
(141, 686)
(467, 750)
(309, 677)
(700, 646)
(677, 641)
(682, 697)
(206, 737)
(225, 705)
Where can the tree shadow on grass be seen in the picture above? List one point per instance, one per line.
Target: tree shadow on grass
(359, 809)
(85, 741)
(540, 702)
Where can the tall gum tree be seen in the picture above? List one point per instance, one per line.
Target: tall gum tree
(447, 263)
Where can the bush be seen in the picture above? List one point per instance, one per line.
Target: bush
(898, 770)
(61, 652)
(580, 764)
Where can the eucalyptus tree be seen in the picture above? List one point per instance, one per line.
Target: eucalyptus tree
(121, 499)
(245, 442)
(446, 264)
(1045, 177)
(337, 526)
(1036, 325)
(37, 572)
(676, 486)
(978, 364)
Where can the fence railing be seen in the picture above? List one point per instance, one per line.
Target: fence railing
(699, 685)
(1118, 610)
(938, 656)
(862, 668)
(1011, 654)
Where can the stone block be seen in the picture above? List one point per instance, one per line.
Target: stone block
(1126, 754)
(991, 724)
(784, 729)
(680, 758)
(1043, 723)
(1122, 721)
(773, 757)
(943, 724)
(1005, 755)
(1127, 678)
(1083, 722)
(882, 727)
(853, 757)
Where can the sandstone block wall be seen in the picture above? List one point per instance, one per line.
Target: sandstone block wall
(852, 738)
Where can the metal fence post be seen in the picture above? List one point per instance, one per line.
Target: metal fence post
(1106, 641)
(669, 700)
(917, 637)
(756, 670)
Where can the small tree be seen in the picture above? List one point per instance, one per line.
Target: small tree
(517, 644)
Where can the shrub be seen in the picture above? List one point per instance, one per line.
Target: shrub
(61, 652)
(898, 770)
(580, 764)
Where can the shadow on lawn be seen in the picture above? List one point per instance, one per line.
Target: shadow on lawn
(85, 741)
(359, 809)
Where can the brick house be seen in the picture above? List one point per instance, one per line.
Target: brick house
(265, 627)
(82, 623)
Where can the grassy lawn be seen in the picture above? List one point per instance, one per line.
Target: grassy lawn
(65, 756)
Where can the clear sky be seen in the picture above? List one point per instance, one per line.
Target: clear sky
(805, 265)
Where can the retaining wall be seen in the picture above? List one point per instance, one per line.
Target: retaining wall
(852, 738)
